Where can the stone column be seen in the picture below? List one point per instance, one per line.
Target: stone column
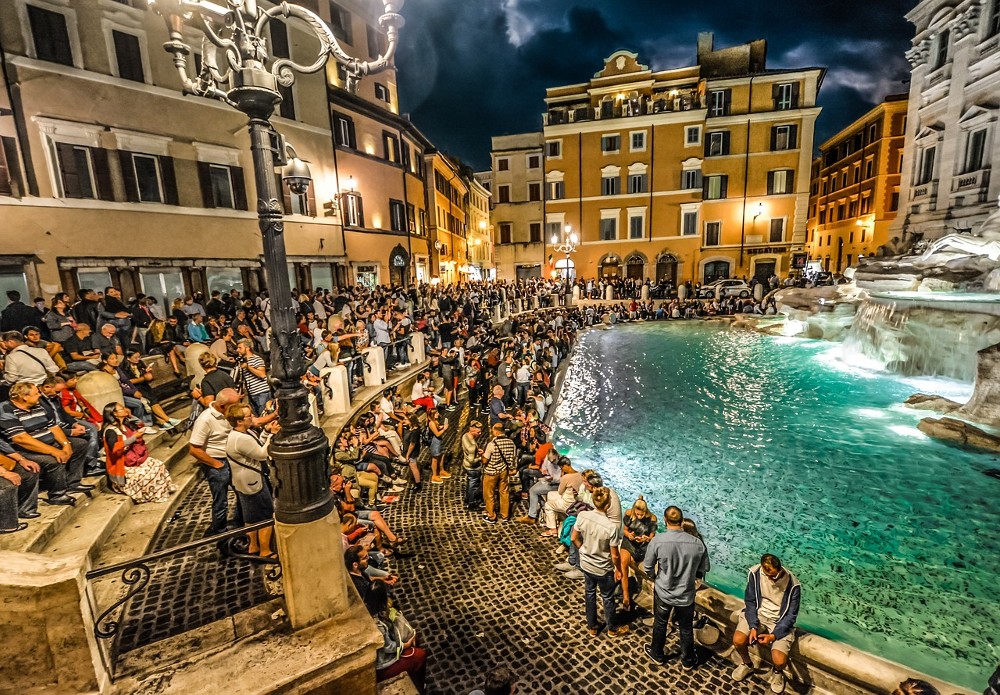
(376, 358)
(191, 355)
(336, 390)
(576, 293)
(46, 620)
(758, 292)
(100, 388)
(644, 292)
(418, 348)
(609, 292)
(682, 292)
(310, 553)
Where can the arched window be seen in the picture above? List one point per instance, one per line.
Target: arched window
(635, 267)
(610, 267)
(716, 270)
(666, 269)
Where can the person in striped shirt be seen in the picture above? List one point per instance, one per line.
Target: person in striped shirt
(253, 374)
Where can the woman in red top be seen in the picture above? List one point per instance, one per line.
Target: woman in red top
(131, 470)
(75, 404)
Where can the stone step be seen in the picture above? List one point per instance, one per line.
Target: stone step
(400, 685)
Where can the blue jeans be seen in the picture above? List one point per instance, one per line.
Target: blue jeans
(93, 437)
(536, 496)
(218, 483)
(606, 583)
(474, 487)
(685, 617)
(138, 409)
(258, 401)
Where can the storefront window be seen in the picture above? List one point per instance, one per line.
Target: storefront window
(94, 279)
(165, 285)
(224, 279)
(12, 278)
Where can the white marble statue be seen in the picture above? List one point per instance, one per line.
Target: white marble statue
(985, 243)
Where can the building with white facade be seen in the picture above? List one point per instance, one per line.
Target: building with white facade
(951, 140)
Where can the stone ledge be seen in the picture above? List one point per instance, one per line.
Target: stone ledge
(827, 666)
(316, 660)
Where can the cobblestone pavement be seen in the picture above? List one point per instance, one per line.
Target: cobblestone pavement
(193, 589)
(483, 595)
(479, 595)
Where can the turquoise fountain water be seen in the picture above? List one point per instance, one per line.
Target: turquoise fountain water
(775, 445)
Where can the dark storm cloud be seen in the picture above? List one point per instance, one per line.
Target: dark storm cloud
(472, 69)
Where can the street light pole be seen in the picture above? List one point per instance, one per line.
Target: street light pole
(567, 246)
(245, 82)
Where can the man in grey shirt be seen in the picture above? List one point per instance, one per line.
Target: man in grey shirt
(598, 539)
(678, 559)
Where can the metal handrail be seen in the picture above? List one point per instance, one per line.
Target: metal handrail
(178, 549)
(136, 573)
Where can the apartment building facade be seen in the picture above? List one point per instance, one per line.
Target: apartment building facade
(112, 176)
(855, 188)
(951, 136)
(695, 173)
(480, 239)
(517, 178)
(448, 206)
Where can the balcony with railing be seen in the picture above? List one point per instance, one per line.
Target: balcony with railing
(970, 181)
(925, 195)
(625, 106)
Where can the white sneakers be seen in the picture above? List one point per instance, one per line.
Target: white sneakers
(741, 672)
(776, 679)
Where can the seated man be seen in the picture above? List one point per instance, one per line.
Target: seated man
(23, 362)
(559, 500)
(18, 490)
(107, 342)
(772, 606)
(346, 503)
(79, 352)
(33, 435)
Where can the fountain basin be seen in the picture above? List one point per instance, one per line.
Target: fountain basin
(776, 445)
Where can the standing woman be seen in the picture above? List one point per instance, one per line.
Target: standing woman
(437, 429)
(639, 529)
(248, 455)
(131, 470)
(60, 324)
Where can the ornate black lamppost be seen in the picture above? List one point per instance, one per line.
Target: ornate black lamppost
(237, 69)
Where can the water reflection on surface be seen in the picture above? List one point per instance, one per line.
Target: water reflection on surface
(775, 445)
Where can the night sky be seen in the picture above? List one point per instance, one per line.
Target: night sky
(472, 69)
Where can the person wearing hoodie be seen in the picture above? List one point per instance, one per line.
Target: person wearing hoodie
(772, 605)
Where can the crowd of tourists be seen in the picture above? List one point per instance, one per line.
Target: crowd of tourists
(505, 373)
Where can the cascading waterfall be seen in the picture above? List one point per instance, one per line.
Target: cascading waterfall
(910, 338)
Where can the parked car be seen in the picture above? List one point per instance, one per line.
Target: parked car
(727, 288)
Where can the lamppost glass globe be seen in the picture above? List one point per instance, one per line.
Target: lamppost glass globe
(555, 238)
(574, 239)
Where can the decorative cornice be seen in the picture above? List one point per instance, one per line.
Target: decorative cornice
(967, 22)
(919, 53)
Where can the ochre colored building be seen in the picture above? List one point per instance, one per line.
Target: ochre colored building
(694, 173)
(109, 175)
(854, 195)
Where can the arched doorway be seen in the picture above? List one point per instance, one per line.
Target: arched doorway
(610, 266)
(565, 268)
(666, 269)
(635, 267)
(716, 270)
(399, 267)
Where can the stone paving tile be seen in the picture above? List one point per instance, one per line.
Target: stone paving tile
(193, 589)
(479, 595)
(484, 595)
